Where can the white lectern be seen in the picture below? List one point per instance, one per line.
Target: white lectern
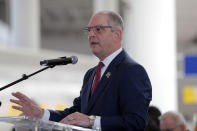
(24, 123)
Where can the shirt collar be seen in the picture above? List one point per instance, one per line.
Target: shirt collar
(109, 59)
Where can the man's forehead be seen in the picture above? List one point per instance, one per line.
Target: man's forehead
(98, 19)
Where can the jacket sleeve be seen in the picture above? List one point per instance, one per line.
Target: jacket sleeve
(135, 94)
(56, 115)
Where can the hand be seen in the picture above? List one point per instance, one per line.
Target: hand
(77, 119)
(27, 106)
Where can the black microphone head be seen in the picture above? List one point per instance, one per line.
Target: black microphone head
(74, 59)
(60, 61)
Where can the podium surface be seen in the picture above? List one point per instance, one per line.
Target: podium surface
(24, 123)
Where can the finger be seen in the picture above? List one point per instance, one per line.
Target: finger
(17, 108)
(16, 101)
(20, 96)
(25, 98)
(73, 122)
(77, 113)
(64, 121)
(17, 95)
(67, 119)
(73, 115)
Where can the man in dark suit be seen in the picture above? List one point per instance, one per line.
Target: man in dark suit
(115, 95)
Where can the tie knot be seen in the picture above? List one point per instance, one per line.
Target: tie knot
(100, 65)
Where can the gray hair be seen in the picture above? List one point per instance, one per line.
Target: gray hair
(115, 18)
(176, 117)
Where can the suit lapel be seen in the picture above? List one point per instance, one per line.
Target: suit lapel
(87, 93)
(106, 78)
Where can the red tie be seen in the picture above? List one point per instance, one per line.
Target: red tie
(97, 76)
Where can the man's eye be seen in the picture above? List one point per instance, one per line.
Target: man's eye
(98, 29)
(88, 29)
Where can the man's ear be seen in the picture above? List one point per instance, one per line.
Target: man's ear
(183, 127)
(117, 35)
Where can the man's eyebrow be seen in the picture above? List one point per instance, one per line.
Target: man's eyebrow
(96, 25)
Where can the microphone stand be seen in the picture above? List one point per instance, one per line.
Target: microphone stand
(24, 77)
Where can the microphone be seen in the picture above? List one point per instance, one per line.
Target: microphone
(60, 61)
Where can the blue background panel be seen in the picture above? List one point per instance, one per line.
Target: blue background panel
(190, 64)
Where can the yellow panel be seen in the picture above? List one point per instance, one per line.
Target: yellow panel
(13, 112)
(188, 95)
(60, 106)
(43, 105)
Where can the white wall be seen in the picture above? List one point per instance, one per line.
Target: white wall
(151, 40)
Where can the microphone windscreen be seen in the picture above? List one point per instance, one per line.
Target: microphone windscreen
(74, 59)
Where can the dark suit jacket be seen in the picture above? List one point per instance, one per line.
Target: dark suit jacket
(122, 99)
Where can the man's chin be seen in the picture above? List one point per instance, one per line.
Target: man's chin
(95, 52)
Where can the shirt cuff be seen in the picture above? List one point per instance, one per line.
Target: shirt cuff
(46, 115)
(97, 123)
